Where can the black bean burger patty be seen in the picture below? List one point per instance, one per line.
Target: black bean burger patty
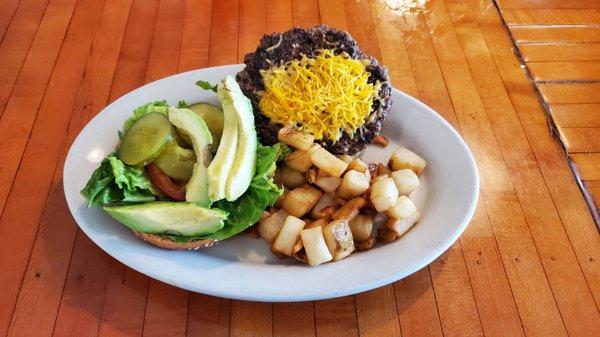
(279, 48)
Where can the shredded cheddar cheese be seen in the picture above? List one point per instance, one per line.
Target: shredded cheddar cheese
(324, 96)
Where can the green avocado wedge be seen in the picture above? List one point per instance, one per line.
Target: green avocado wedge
(194, 127)
(164, 217)
(244, 163)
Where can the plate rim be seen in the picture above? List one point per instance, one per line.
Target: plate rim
(262, 297)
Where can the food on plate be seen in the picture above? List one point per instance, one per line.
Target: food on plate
(319, 80)
(279, 158)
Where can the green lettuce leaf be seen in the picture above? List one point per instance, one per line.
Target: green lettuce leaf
(141, 111)
(116, 183)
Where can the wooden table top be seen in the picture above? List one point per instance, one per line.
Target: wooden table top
(528, 264)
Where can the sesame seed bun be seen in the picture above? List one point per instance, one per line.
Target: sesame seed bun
(166, 243)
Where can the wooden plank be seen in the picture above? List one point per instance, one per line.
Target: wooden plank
(393, 51)
(195, 35)
(565, 71)
(279, 16)
(208, 316)
(166, 310)
(554, 249)
(548, 4)
(575, 115)
(362, 27)
(305, 13)
(252, 26)
(549, 154)
(336, 317)
(331, 14)
(42, 287)
(570, 93)
(251, 319)
(548, 17)
(224, 33)
(582, 139)
(560, 52)
(16, 41)
(526, 275)
(415, 303)
(376, 312)
(594, 187)
(588, 165)
(554, 34)
(7, 12)
(294, 319)
(27, 93)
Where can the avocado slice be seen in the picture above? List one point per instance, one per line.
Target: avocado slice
(219, 168)
(165, 217)
(234, 102)
(196, 129)
(212, 116)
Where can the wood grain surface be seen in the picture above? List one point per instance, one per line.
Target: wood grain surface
(527, 265)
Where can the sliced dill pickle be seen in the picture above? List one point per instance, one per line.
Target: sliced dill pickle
(213, 117)
(176, 162)
(145, 139)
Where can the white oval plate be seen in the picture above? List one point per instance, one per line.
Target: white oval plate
(243, 267)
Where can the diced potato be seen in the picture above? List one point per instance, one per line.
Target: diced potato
(319, 222)
(404, 158)
(383, 170)
(288, 235)
(350, 209)
(403, 208)
(328, 184)
(338, 237)
(367, 174)
(354, 183)
(325, 201)
(277, 176)
(339, 201)
(362, 246)
(381, 140)
(315, 246)
(401, 226)
(383, 193)
(279, 201)
(269, 227)
(279, 255)
(292, 178)
(311, 175)
(385, 235)
(346, 158)
(361, 227)
(406, 181)
(264, 215)
(295, 138)
(299, 245)
(358, 165)
(299, 160)
(301, 200)
(300, 256)
(326, 161)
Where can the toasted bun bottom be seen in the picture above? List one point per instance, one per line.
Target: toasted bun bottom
(166, 243)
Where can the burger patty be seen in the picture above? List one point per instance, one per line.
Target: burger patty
(279, 48)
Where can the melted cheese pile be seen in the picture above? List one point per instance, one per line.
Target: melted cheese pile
(324, 96)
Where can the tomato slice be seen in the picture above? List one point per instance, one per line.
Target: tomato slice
(165, 184)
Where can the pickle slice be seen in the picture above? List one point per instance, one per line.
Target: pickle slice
(145, 139)
(176, 162)
(213, 117)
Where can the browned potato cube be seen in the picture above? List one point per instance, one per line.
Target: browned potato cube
(299, 160)
(401, 226)
(406, 181)
(326, 161)
(315, 246)
(328, 184)
(404, 158)
(350, 209)
(269, 227)
(292, 178)
(362, 246)
(279, 201)
(288, 235)
(325, 201)
(403, 208)
(346, 158)
(354, 183)
(358, 165)
(361, 227)
(338, 237)
(301, 200)
(295, 138)
(383, 193)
